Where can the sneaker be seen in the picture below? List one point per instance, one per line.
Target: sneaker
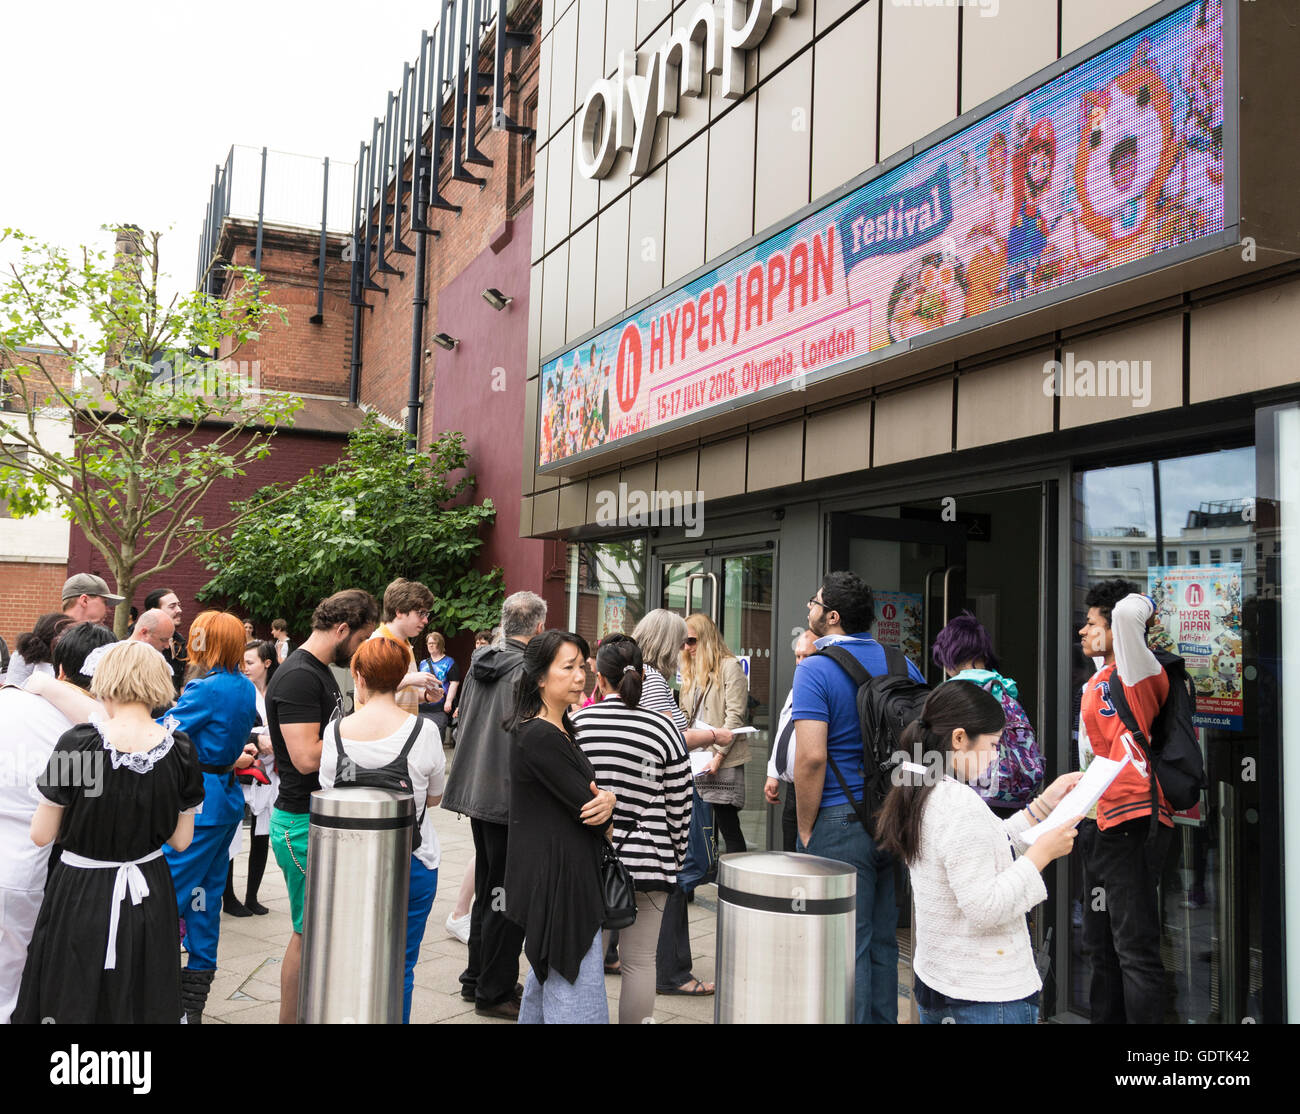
(458, 927)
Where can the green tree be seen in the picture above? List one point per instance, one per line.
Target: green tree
(379, 512)
(90, 342)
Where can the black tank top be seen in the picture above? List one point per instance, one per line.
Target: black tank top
(395, 775)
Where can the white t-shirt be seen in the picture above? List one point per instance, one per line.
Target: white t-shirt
(426, 763)
(29, 729)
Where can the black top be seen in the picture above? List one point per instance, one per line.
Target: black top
(301, 691)
(552, 883)
(119, 807)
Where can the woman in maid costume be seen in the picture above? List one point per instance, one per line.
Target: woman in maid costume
(114, 792)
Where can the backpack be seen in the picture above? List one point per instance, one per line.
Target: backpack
(395, 775)
(1021, 765)
(886, 705)
(1173, 752)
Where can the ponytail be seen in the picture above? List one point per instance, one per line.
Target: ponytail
(619, 662)
(927, 741)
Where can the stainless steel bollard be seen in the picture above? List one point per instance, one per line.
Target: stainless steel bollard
(354, 915)
(785, 939)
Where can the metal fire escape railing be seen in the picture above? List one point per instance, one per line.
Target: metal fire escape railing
(429, 120)
(277, 189)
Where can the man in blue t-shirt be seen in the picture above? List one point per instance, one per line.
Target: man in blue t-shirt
(826, 722)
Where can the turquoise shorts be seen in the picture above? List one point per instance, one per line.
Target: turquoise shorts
(289, 842)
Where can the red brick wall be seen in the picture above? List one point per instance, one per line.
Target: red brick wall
(296, 355)
(292, 456)
(456, 386)
(27, 591)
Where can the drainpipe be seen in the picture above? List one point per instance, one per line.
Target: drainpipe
(419, 303)
(354, 380)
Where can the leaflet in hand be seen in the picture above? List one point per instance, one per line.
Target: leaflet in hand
(1086, 792)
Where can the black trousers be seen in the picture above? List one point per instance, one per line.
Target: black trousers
(727, 819)
(789, 821)
(1121, 921)
(673, 956)
(494, 941)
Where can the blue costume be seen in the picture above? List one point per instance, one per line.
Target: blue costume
(217, 712)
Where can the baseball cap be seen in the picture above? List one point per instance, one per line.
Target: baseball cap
(87, 584)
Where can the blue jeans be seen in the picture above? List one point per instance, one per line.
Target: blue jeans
(424, 888)
(560, 1002)
(1024, 1012)
(838, 835)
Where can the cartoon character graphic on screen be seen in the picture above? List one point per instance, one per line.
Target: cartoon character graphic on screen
(1031, 178)
(1200, 174)
(1127, 149)
(986, 242)
(548, 423)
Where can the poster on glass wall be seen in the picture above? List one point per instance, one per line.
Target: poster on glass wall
(898, 623)
(1198, 617)
(1114, 161)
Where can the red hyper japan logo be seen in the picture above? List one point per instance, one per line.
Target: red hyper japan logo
(889, 611)
(628, 382)
(1195, 595)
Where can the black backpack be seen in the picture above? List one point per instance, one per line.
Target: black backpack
(1173, 752)
(886, 705)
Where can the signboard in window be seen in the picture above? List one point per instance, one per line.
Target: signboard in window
(898, 623)
(1113, 162)
(1198, 617)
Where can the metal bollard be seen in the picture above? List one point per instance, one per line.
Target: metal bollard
(354, 915)
(786, 926)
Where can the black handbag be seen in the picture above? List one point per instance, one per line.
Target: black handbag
(616, 889)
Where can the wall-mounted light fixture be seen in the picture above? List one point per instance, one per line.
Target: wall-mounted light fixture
(495, 298)
(442, 340)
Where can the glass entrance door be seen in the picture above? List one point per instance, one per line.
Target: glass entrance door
(735, 589)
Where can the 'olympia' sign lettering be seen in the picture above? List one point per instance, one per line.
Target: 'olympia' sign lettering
(621, 113)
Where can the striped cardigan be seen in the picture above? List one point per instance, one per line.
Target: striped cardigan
(641, 758)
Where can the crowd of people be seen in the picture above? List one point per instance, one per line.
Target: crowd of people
(137, 762)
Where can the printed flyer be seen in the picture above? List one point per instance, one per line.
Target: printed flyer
(1198, 617)
(611, 620)
(1116, 160)
(898, 623)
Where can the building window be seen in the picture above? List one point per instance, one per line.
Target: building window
(1193, 556)
(1237, 555)
(606, 588)
(1216, 556)
(1171, 556)
(15, 455)
(1134, 559)
(1115, 559)
(1153, 558)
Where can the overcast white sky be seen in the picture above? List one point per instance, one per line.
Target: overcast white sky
(118, 111)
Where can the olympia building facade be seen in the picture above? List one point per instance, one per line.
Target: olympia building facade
(986, 306)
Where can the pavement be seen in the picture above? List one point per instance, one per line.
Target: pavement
(246, 990)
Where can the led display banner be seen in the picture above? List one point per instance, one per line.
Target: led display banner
(1115, 161)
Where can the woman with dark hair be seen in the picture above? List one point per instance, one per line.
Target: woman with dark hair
(964, 651)
(35, 650)
(558, 817)
(260, 783)
(973, 962)
(641, 757)
(217, 710)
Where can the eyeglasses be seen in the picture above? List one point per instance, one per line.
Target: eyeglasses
(690, 641)
(816, 602)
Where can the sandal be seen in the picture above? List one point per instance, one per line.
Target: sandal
(693, 989)
(613, 968)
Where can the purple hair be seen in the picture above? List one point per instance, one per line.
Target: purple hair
(963, 639)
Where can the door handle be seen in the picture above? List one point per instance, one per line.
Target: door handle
(927, 667)
(690, 591)
(947, 576)
(713, 603)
